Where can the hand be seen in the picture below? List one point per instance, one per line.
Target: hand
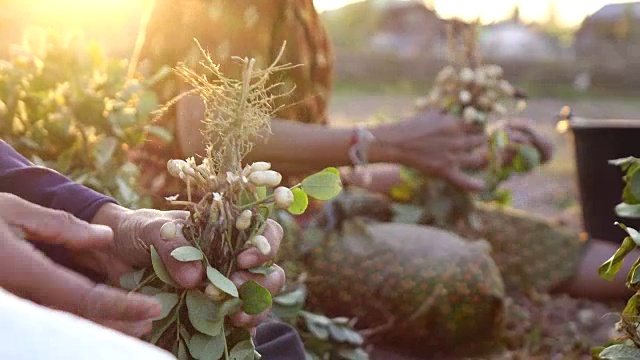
(30, 274)
(521, 132)
(251, 258)
(136, 230)
(437, 144)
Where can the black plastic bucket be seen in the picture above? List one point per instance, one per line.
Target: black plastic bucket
(597, 141)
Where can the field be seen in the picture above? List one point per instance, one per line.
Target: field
(541, 327)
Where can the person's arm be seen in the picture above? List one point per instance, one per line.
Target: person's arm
(46, 187)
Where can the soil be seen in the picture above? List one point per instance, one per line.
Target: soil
(539, 326)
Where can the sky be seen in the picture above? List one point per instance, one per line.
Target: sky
(571, 12)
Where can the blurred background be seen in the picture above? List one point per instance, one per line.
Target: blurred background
(582, 53)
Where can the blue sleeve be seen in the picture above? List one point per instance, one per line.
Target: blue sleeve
(46, 187)
(50, 189)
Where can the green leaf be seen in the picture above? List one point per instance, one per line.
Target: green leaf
(243, 350)
(168, 302)
(261, 192)
(631, 309)
(256, 299)
(187, 253)
(610, 268)
(500, 138)
(221, 282)
(160, 326)
(203, 314)
(624, 162)
(332, 170)
(204, 347)
(406, 213)
(634, 184)
(322, 186)
(161, 133)
(620, 352)
(229, 307)
(628, 210)
(160, 269)
(104, 151)
(150, 291)
(633, 278)
(353, 354)
(300, 202)
(527, 159)
(131, 280)
(633, 233)
(182, 351)
(262, 270)
(628, 193)
(317, 324)
(292, 298)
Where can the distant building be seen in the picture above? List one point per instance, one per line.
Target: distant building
(515, 40)
(610, 38)
(408, 29)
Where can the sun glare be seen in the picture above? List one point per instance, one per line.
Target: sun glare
(571, 12)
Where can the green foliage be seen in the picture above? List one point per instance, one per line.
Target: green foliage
(300, 202)
(187, 253)
(202, 314)
(65, 105)
(256, 299)
(221, 282)
(323, 337)
(159, 268)
(630, 316)
(324, 185)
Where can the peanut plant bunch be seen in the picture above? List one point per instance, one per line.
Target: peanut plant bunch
(228, 207)
(477, 93)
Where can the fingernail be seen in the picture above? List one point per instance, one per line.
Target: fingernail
(154, 310)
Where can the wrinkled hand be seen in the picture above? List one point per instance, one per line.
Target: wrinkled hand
(521, 132)
(30, 274)
(437, 144)
(136, 230)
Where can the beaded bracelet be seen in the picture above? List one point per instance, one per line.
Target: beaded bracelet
(361, 140)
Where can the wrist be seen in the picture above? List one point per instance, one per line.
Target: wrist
(381, 151)
(111, 215)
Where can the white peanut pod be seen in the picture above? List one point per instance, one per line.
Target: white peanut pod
(268, 178)
(213, 293)
(244, 220)
(495, 71)
(470, 114)
(174, 167)
(446, 74)
(283, 197)
(262, 244)
(467, 75)
(465, 97)
(506, 88)
(499, 109)
(260, 166)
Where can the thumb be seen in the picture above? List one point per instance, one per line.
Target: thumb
(186, 274)
(54, 226)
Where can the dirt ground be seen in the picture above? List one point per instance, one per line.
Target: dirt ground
(542, 326)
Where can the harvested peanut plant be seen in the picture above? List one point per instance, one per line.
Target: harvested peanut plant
(475, 92)
(228, 205)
